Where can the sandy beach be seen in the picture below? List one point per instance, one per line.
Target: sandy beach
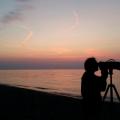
(19, 103)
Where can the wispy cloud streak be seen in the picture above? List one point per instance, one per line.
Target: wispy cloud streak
(75, 24)
(77, 19)
(28, 36)
(16, 14)
(22, 0)
(12, 16)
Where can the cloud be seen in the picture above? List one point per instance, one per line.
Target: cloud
(28, 36)
(61, 51)
(16, 14)
(12, 16)
(77, 20)
(76, 23)
(22, 0)
(77, 16)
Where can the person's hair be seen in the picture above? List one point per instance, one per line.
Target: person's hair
(90, 64)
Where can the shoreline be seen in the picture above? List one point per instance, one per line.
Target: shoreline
(25, 104)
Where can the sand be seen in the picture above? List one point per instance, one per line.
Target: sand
(24, 104)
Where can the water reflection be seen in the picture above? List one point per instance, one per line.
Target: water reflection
(64, 81)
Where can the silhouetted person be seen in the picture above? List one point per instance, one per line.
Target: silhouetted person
(91, 88)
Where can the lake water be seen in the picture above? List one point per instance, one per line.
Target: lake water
(58, 81)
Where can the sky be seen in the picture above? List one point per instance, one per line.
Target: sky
(58, 32)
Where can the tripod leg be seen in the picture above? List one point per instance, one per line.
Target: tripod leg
(111, 94)
(106, 93)
(116, 92)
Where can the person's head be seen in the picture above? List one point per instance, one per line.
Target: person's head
(91, 65)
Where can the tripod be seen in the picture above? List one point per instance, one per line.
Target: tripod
(112, 87)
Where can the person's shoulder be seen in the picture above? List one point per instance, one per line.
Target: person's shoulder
(85, 75)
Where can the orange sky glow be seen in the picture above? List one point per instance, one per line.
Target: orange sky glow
(72, 31)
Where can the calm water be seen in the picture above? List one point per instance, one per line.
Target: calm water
(63, 81)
